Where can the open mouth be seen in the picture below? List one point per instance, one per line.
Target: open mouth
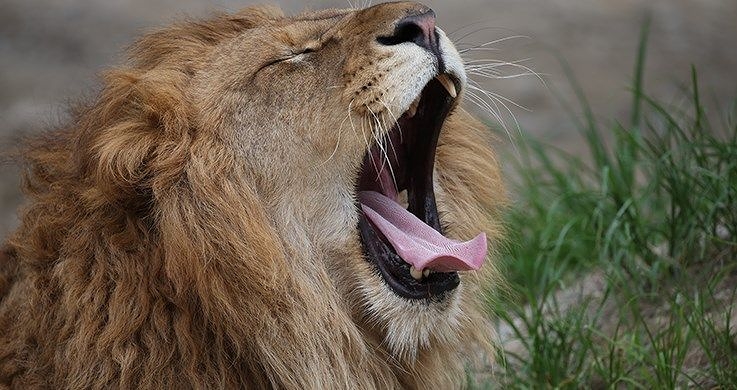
(400, 228)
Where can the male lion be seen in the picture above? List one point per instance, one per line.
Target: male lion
(259, 201)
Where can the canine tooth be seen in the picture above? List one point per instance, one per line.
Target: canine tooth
(412, 110)
(448, 84)
(416, 273)
(426, 272)
(402, 199)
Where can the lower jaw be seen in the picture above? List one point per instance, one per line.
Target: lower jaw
(395, 272)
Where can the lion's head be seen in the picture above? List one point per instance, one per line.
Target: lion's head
(286, 201)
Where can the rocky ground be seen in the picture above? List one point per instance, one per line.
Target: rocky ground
(52, 50)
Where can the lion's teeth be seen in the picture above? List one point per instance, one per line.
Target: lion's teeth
(426, 272)
(412, 110)
(402, 199)
(416, 273)
(448, 84)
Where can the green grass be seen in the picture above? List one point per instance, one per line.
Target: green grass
(650, 218)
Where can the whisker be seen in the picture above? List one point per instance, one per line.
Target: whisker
(394, 119)
(474, 85)
(486, 65)
(460, 39)
(337, 143)
(495, 63)
(497, 100)
(372, 125)
(350, 117)
(494, 42)
(495, 111)
(376, 132)
(484, 105)
(365, 140)
(389, 140)
(452, 33)
(382, 148)
(367, 121)
(481, 103)
(499, 76)
(470, 49)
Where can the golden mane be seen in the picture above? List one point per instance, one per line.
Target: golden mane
(147, 256)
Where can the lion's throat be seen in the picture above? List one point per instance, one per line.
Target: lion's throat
(417, 243)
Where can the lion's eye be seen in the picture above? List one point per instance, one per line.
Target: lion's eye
(295, 55)
(299, 54)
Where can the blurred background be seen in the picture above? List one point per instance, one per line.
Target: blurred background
(51, 52)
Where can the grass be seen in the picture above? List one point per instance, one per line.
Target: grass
(622, 264)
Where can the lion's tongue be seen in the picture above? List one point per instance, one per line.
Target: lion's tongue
(416, 242)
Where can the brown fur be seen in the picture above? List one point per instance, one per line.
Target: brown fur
(172, 241)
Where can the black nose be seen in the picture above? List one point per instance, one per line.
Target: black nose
(417, 28)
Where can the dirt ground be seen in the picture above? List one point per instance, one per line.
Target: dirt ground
(52, 50)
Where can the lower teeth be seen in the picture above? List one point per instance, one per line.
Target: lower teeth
(416, 273)
(402, 199)
(419, 274)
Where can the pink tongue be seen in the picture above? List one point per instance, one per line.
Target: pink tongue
(416, 242)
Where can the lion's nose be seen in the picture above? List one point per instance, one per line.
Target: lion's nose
(418, 27)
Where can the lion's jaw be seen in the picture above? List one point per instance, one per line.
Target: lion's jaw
(325, 82)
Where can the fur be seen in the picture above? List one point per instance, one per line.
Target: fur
(195, 226)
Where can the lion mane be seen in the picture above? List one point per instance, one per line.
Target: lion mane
(150, 255)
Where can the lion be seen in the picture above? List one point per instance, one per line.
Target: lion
(260, 201)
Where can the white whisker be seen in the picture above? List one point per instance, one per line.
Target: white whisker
(452, 33)
(489, 68)
(498, 76)
(472, 49)
(481, 103)
(337, 143)
(484, 105)
(350, 110)
(494, 42)
(382, 147)
(473, 85)
(487, 62)
(460, 39)
(498, 100)
(365, 140)
(395, 120)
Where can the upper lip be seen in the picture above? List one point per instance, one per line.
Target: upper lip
(411, 158)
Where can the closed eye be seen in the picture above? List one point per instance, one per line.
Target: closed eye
(295, 54)
(291, 56)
